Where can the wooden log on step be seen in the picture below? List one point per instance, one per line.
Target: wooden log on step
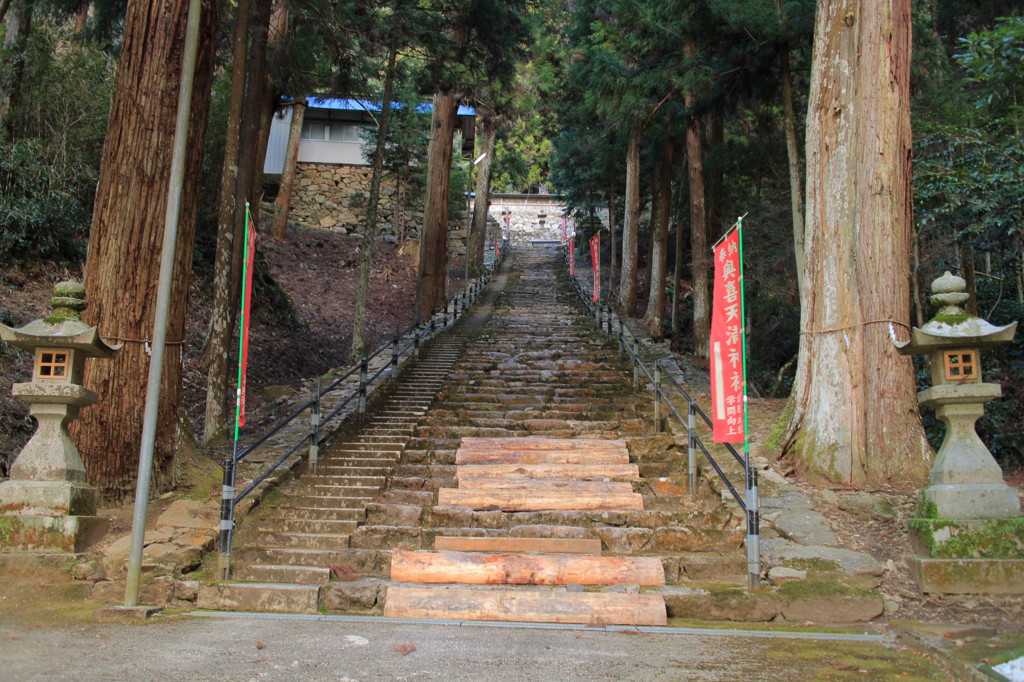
(522, 545)
(473, 444)
(546, 485)
(524, 569)
(517, 500)
(545, 455)
(520, 605)
(579, 472)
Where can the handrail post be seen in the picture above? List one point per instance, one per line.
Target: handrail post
(691, 448)
(636, 362)
(416, 342)
(227, 517)
(364, 368)
(753, 528)
(657, 396)
(433, 310)
(444, 313)
(394, 357)
(314, 430)
(622, 339)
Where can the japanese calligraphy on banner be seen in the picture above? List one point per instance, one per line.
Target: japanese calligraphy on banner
(572, 256)
(727, 343)
(595, 259)
(565, 231)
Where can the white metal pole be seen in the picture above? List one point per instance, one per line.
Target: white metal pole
(163, 299)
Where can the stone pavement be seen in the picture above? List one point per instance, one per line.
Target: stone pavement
(317, 648)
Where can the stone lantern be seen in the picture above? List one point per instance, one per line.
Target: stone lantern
(966, 481)
(47, 498)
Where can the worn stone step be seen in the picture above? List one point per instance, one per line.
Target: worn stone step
(299, 540)
(544, 486)
(329, 502)
(262, 597)
(468, 472)
(296, 510)
(285, 524)
(333, 492)
(271, 573)
(290, 556)
(520, 545)
(521, 604)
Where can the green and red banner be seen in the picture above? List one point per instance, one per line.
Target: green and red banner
(727, 343)
(243, 336)
(595, 260)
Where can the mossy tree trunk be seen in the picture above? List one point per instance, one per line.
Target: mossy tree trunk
(123, 265)
(855, 417)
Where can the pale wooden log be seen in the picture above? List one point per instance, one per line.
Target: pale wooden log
(546, 485)
(473, 443)
(581, 472)
(509, 604)
(547, 456)
(524, 569)
(551, 545)
(515, 500)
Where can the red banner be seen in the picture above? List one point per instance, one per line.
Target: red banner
(497, 250)
(727, 343)
(595, 260)
(572, 256)
(249, 256)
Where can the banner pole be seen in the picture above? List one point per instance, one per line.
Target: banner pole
(227, 522)
(753, 513)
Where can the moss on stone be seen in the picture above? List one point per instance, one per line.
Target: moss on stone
(805, 589)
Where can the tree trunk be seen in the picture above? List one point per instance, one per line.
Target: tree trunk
(715, 175)
(4, 6)
(222, 321)
(370, 228)
(698, 237)
(655, 318)
(855, 417)
(793, 157)
(430, 278)
(627, 279)
(123, 265)
(268, 105)
(15, 43)
(291, 158)
(478, 231)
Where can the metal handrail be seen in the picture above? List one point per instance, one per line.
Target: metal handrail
(420, 331)
(635, 348)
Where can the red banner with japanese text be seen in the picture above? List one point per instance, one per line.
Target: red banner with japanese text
(497, 250)
(572, 256)
(595, 259)
(727, 343)
(249, 257)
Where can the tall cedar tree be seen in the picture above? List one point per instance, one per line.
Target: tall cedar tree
(855, 417)
(124, 251)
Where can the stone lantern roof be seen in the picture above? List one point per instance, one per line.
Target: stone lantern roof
(63, 329)
(952, 327)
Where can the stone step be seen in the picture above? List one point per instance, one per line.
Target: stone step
(545, 486)
(328, 502)
(262, 597)
(333, 492)
(270, 573)
(522, 545)
(290, 556)
(524, 569)
(296, 510)
(291, 525)
(524, 605)
(298, 540)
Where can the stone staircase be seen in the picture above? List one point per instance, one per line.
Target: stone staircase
(523, 365)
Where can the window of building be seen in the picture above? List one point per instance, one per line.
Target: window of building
(313, 130)
(344, 132)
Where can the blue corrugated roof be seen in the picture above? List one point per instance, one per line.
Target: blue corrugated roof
(366, 105)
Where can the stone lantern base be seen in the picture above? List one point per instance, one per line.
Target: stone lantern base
(48, 516)
(974, 500)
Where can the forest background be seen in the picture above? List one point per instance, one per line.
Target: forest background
(675, 116)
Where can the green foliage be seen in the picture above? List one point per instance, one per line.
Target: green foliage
(49, 168)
